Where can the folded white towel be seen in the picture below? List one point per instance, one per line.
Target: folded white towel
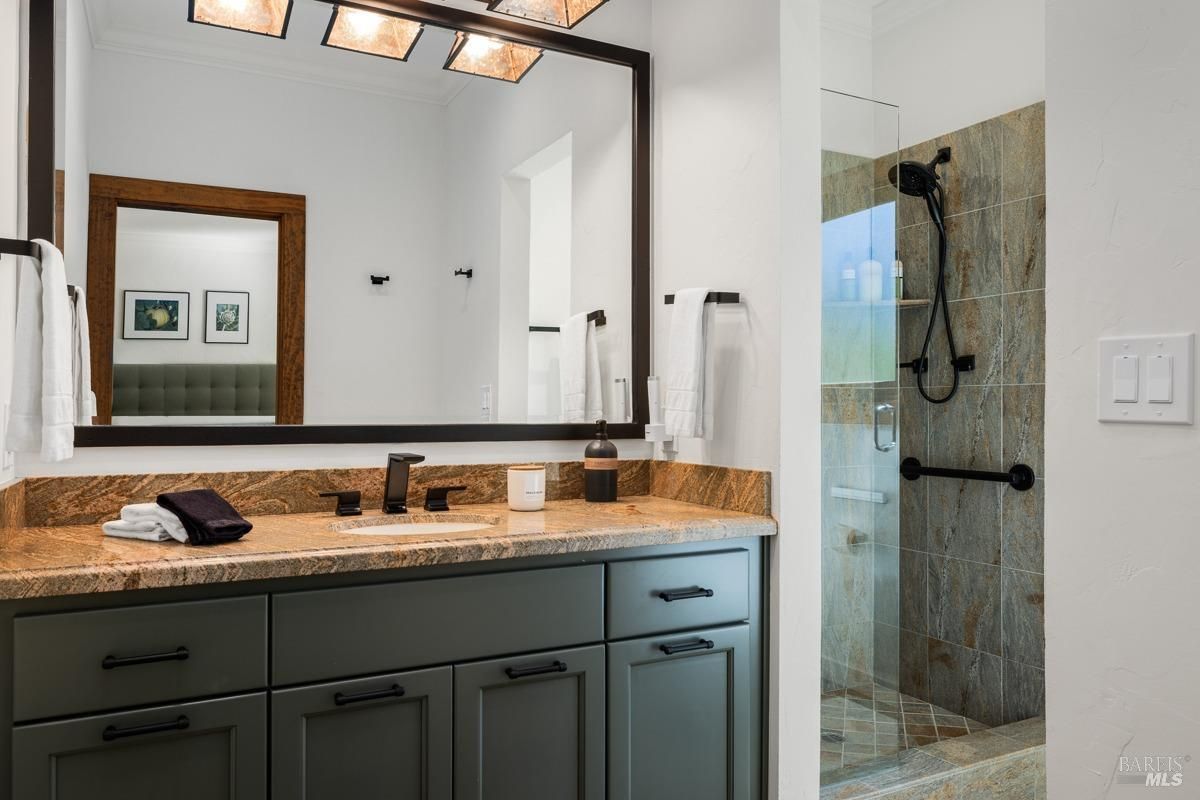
(155, 514)
(147, 531)
(81, 360)
(573, 368)
(43, 402)
(683, 405)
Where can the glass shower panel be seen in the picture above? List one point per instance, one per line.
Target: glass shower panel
(859, 437)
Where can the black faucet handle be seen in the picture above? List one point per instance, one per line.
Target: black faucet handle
(406, 458)
(435, 497)
(349, 503)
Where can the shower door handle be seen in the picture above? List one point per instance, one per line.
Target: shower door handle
(884, 409)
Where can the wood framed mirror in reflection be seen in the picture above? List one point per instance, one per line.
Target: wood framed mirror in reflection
(372, 249)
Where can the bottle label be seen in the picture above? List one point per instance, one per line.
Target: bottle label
(601, 463)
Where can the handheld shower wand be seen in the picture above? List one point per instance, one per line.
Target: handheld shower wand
(916, 179)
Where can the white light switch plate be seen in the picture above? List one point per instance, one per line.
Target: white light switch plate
(1148, 407)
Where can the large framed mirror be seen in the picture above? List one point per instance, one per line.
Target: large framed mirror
(382, 221)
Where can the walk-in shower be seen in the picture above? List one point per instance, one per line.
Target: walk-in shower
(931, 586)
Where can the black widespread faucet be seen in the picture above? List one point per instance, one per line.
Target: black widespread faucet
(395, 494)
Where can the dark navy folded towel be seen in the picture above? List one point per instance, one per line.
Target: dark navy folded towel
(206, 516)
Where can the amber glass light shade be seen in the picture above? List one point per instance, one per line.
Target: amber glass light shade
(371, 33)
(491, 58)
(266, 17)
(563, 13)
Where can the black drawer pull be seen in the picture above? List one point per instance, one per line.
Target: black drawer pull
(112, 662)
(699, 644)
(346, 699)
(528, 672)
(112, 733)
(685, 594)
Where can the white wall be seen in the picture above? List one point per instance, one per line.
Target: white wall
(948, 64)
(75, 162)
(241, 256)
(958, 62)
(1121, 546)
(11, 226)
(716, 210)
(796, 552)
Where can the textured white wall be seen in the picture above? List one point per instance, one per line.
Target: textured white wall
(716, 211)
(796, 552)
(10, 203)
(958, 63)
(1122, 552)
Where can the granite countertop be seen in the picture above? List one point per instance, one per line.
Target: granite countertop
(78, 559)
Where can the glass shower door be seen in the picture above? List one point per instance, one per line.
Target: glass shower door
(859, 438)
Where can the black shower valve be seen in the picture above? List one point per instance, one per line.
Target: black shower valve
(917, 365)
(963, 363)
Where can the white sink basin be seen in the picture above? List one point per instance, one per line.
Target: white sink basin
(414, 528)
(417, 524)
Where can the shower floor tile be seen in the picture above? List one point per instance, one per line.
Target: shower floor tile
(862, 724)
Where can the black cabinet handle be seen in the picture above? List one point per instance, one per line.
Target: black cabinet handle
(340, 699)
(685, 594)
(113, 662)
(528, 672)
(112, 733)
(699, 644)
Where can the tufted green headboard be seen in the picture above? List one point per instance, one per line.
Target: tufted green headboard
(193, 390)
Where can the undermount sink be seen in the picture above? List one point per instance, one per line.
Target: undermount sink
(414, 525)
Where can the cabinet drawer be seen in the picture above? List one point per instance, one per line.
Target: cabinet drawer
(92, 660)
(191, 751)
(674, 594)
(334, 633)
(384, 736)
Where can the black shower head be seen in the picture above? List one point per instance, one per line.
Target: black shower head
(917, 179)
(913, 178)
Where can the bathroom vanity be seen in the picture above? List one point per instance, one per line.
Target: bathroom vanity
(587, 652)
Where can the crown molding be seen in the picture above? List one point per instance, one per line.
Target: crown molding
(848, 18)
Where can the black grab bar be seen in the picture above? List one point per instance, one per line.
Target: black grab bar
(1019, 477)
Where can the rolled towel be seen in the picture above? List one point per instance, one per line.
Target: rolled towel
(147, 531)
(153, 512)
(206, 516)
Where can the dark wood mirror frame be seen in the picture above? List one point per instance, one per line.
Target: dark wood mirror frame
(41, 224)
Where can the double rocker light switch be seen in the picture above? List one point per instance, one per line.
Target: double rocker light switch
(1146, 379)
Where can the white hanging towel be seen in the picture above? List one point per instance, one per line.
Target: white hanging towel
(683, 406)
(579, 370)
(595, 387)
(43, 398)
(81, 360)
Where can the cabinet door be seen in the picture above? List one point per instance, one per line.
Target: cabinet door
(530, 727)
(378, 738)
(211, 750)
(679, 716)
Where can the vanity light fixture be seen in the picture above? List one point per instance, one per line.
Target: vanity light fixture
(265, 17)
(487, 57)
(563, 13)
(372, 33)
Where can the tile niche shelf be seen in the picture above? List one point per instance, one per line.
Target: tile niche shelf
(903, 304)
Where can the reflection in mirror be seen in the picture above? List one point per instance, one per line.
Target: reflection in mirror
(496, 211)
(166, 362)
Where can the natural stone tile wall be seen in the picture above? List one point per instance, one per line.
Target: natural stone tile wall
(970, 554)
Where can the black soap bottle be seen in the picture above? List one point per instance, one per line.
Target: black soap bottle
(600, 467)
